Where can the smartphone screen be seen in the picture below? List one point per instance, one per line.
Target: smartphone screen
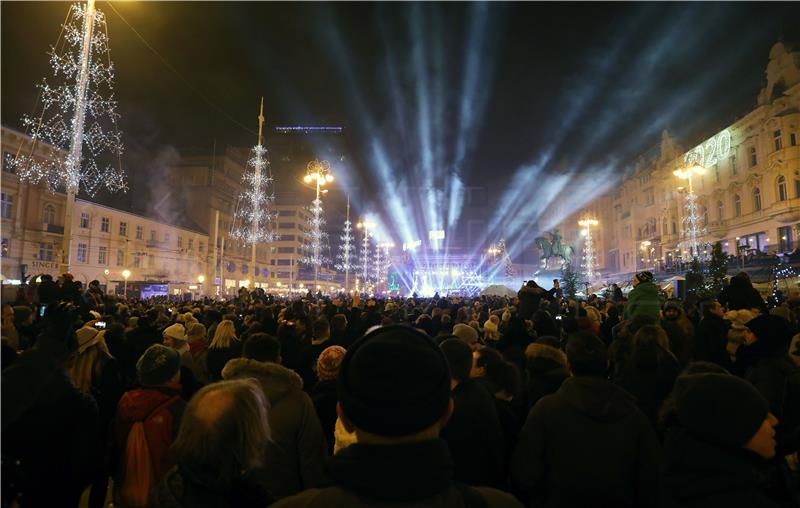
(100, 325)
(42, 310)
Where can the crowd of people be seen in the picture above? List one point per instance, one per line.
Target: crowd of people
(350, 400)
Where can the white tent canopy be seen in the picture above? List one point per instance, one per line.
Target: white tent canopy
(498, 290)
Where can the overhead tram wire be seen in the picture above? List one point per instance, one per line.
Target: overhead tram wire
(177, 73)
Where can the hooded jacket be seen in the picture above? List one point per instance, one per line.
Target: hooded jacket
(643, 299)
(409, 475)
(547, 370)
(586, 445)
(297, 451)
(529, 298)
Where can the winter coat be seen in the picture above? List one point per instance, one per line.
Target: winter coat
(181, 488)
(529, 299)
(740, 294)
(296, 454)
(139, 339)
(546, 372)
(325, 396)
(586, 445)
(51, 428)
(700, 475)
(778, 380)
(48, 292)
(649, 375)
(412, 475)
(217, 358)
(474, 436)
(643, 300)
(681, 339)
(711, 341)
(163, 418)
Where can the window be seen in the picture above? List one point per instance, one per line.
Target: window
(45, 252)
(152, 235)
(120, 257)
(782, 193)
(287, 238)
(123, 229)
(102, 256)
(785, 239)
(284, 262)
(200, 246)
(191, 244)
(84, 220)
(737, 206)
(287, 213)
(4, 247)
(137, 260)
(793, 139)
(733, 165)
(49, 214)
(720, 211)
(82, 253)
(756, 199)
(166, 237)
(776, 138)
(649, 197)
(674, 228)
(6, 204)
(753, 156)
(797, 188)
(180, 242)
(105, 225)
(285, 250)
(139, 233)
(286, 225)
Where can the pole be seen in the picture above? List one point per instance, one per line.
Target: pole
(316, 240)
(257, 188)
(347, 253)
(76, 143)
(214, 252)
(223, 289)
(365, 255)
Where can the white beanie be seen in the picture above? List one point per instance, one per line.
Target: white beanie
(176, 331)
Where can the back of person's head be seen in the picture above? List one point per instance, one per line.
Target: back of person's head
(503, 375)
(395, 382)
(224, 431)
(262, 347)
(321, 328)
(224, 336)
(459, 357)
(339, 322)
(774, 332)
(649, 336)
(639, 321)
(195, 332)
(586, 354)
(531, 284)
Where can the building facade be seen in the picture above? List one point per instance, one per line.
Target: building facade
(748, 199)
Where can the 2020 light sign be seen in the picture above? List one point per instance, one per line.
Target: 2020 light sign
(711, 152)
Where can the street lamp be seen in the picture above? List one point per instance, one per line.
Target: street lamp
(125, 274)
(692, 221)
(200, 280)
(366, 225)
(106, 272)
(589, 257)
(646, 249)
(319, 173)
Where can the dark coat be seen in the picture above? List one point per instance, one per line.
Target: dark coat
(217, 358)
(474, 436)
(138, 340)
(587, 445)
(183, 489)
(777, 377)
(413, 475)
(740, 294)
(699, 475)
(649, 375)
(325, 396)
(296, 454)
(48, 292)
(51, 428)
(529, 299)
(711, 341)
(546, 373)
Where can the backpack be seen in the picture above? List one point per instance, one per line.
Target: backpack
(137, 479)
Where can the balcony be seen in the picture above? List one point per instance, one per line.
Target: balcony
(52, 228)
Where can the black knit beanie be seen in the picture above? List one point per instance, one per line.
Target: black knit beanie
(719, 408)
(394, 381)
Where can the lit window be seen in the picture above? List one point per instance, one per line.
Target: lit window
(102, 256)
(82, 252)
(782, 193)
(45, 252)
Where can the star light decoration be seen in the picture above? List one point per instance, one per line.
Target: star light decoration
(255, 213)
(75, 120)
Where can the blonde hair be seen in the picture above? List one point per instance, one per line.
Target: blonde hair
(224, 336)
(87, 366)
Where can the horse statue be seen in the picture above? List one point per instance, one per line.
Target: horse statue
(553, 248)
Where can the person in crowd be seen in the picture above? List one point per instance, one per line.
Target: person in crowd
(468, 334)
(93, 296)
(25, 325)
(546, 366)
(680, 331)
(9, 330)
(530, 295)
(219, 450)
(294, 335)
(49, 426)
(196, 335)
(740, 294)
(612, 319)
(297, 450)
(175, 337)
(156, 408)
(587, 444)
(396, 413)
(474, 433)
(651, 371)
(47, 291)
(765, 362)
(140, 338)
(643, 299)
(224, 346)
(717, 454)
(491, 333)
(324, 393)
(320, 339)
(711, 337)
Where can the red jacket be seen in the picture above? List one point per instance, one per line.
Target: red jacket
(161, 426)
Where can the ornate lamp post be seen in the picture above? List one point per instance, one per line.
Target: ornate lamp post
(318, 173)
(125, 274)
(589, 257)
(691, 223)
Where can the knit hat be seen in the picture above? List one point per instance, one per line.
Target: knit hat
(329, 362)
(196, 331)
(719, 408)
(157, 365)
(466, 333)
(394, 381)
(642, 277)
(773, 332)
(176, 331)
(739, 317)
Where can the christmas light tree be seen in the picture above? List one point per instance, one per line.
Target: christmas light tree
(589, 257)
(507, 264)
(75, 119)
(319, 173)
(346, 249)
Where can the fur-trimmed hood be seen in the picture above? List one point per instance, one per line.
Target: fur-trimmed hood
(546, 352)
(275, 379)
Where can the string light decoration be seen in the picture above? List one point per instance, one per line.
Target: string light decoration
(507, 264)
(254, 216)
(346, 248)
(692, 228)
(75, 119)
(779, 273)
(366, 226)
(317, 172)
(589, 256)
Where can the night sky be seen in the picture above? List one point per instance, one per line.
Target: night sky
(467, 89)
